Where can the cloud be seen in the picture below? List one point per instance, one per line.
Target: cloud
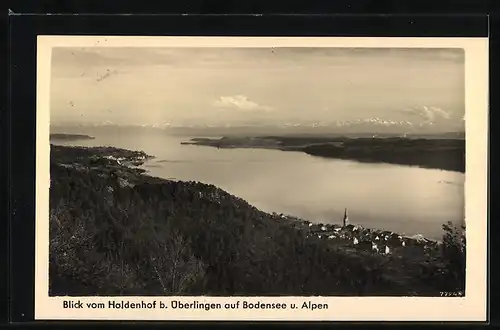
(239, 102)
(428, 113)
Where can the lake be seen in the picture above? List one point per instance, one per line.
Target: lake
(404, 199)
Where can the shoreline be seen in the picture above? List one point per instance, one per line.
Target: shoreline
(69, 137)
(441, 154)
(136, 161)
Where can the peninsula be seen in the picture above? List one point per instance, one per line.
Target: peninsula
(437, 153)
(69, 137)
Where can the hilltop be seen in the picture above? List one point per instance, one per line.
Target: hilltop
(116, 231)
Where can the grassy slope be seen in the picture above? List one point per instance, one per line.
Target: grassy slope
(116, 231)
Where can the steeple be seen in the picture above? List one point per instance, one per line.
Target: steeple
(346, 219)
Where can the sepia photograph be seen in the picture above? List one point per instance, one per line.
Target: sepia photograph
(267, 170)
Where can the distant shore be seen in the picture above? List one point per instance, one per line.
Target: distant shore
(69, 137)
(436, 153)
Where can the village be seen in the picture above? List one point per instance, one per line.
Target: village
(359, 238)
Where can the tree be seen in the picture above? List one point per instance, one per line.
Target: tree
(174, 264)
(454, 255)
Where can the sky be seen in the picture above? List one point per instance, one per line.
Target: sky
(230, 86)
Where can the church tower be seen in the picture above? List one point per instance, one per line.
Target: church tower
(346, 219)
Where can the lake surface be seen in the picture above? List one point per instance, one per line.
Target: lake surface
(404, 199)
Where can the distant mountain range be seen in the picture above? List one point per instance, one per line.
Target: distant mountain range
(371, 126)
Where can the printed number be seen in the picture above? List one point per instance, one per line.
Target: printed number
(452, 294)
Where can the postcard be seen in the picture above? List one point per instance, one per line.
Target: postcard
(261, 178)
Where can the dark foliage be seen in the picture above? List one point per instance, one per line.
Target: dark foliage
(454, 252)
(447, 154)
(115, 231)
(439, 153)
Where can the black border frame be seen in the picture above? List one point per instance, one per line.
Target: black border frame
(20, 118)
